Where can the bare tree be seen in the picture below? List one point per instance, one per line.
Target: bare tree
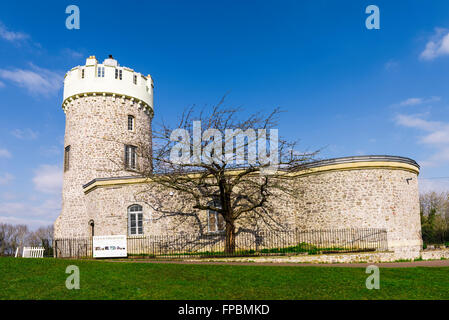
(43, 237)
(17, 236)
(12, 237)
(435, 216)
(238, 183)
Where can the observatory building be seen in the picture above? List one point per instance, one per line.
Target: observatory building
(109, 110)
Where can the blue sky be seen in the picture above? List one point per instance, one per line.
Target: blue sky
(351, 90)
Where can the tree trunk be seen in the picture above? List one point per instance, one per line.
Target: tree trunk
(230, 238)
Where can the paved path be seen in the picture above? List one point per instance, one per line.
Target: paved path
(431, 263)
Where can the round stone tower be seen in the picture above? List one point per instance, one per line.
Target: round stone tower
(108, 110)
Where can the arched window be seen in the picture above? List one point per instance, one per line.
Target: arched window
(92, 227)
(215, 220)
(135, 220)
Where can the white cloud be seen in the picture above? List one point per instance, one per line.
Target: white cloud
(437, 185)
(436, 159)
(11, 35)
(438, 45)
(5, 153)
(50, 151)
(6, 178)
(415, 121)
(36, 80)
(24, 134)
(32, 212)
(436, 136)
(72, 53)
(411, 102)
(8, 196)
(391, 65)
(31, 223)
(417, 101)
(48, 179)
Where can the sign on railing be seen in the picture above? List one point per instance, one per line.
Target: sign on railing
(109, 246)
(270, 242)
(33, 252)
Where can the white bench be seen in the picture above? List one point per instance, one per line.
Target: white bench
(33, 252)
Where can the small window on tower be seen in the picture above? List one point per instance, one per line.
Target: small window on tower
(100, 72)
(66, 158)
(130, 123)
(135, 79)
(118, 74)
(82, 74)
(130, 157)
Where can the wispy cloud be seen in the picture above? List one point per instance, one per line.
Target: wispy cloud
(437, 185)
(72, 53)
(48, 179)
(437, 45)
(36, 80)
(5, 153)
(436, 136)
(391, 65)
(417, 101)
(11, 36)
(6, 178)
(34, 213)
(50, 151)
(25, 134)
(38, 209)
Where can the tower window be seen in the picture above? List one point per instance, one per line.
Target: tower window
(82, 74)
(130, 157)
(130, 123)
(100, 72)
(215, 220)
(118, 74)
(135, 220)
(135, 79)
(66, 158)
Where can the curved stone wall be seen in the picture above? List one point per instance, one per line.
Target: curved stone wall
(354, 192)
(97, 132)
(363, 195)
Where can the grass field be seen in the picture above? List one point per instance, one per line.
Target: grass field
(45, 279)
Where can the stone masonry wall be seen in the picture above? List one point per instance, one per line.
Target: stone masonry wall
(362, 198)
(96, 131)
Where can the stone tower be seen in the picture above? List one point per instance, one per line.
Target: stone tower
(108, 110)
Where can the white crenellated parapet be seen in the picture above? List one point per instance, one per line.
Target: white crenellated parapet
(108, 78)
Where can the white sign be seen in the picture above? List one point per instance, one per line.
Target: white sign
(109, 246)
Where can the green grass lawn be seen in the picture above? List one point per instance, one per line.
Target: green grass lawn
(45, 279)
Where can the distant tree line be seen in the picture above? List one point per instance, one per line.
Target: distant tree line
(434, 209)
(19, 236)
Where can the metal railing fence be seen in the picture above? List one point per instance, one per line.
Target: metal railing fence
(246, 244)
